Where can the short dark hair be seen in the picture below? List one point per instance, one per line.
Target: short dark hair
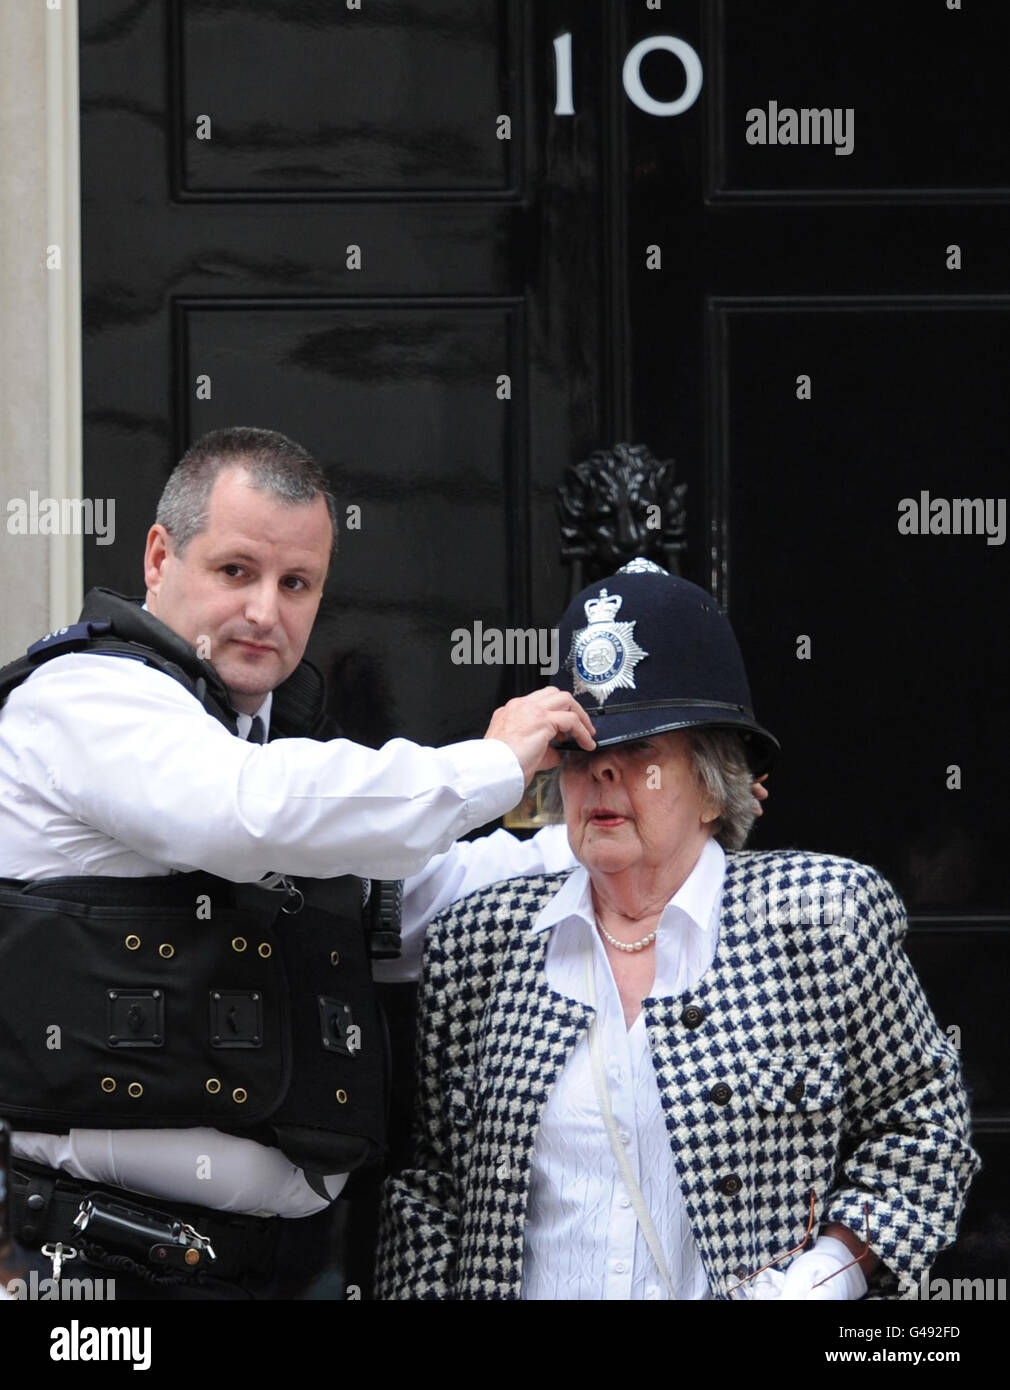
(275, 465)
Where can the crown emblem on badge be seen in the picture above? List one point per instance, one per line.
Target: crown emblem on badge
(604, 653)
(603, 609)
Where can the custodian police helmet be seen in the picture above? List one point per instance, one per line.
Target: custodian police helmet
(646, 652)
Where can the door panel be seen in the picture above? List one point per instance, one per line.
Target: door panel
(320, 101)
(908, 396)
(432, 543)
(925, 86)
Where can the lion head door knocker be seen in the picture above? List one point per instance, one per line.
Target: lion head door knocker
(620, 504)
(617, 506)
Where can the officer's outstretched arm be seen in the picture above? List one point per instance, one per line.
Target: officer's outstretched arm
(126, 753)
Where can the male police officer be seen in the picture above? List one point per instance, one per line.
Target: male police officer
(157, 1010)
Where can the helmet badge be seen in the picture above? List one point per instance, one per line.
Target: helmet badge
(604, 654)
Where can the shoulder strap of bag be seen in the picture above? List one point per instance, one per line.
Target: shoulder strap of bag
(623, 1164)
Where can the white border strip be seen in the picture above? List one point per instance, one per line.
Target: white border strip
(63, 229)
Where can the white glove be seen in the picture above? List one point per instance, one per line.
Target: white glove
(767, 1285)
(827, 1256)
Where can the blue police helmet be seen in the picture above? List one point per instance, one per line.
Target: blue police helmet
(646, 652)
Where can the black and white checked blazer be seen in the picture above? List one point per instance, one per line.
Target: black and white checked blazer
(839, 1080)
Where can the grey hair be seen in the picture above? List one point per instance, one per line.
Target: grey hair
(720, 766)
(275, 465)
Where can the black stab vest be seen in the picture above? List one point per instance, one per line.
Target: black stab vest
(185, 999)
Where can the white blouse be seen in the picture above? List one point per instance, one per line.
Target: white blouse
(582, 1236)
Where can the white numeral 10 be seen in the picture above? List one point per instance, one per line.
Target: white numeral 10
(632, 75)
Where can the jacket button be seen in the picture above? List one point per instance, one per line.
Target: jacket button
(720, 1093)
(730, 1185)
(691, 1016)
(795, 1091)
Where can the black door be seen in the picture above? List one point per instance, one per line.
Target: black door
(770, 245)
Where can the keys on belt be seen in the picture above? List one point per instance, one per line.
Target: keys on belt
(161, 1241)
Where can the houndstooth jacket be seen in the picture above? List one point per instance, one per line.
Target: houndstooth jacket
(839, 1078)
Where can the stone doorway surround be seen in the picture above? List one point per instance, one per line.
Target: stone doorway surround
(41, 577)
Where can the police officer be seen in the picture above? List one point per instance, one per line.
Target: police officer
(190, 1046)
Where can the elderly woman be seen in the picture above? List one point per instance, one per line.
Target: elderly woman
(681, 1071)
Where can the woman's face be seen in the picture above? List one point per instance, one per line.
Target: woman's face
(636, 805)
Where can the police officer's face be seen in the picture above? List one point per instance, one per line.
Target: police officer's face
(245, 591)
(636, 806)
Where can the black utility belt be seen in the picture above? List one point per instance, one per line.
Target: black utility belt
(117, 1229)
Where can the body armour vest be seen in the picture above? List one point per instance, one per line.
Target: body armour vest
(185, 999)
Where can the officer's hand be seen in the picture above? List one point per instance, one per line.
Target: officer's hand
(759, 793)
(529, 723)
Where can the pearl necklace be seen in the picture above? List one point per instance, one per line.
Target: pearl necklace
(630, 945)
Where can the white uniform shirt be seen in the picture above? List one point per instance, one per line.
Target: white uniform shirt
(582, 1236)
(110, 767)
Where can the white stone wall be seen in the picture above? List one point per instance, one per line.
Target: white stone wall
(40, 576)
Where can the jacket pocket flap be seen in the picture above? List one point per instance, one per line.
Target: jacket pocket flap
(786, 1082)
